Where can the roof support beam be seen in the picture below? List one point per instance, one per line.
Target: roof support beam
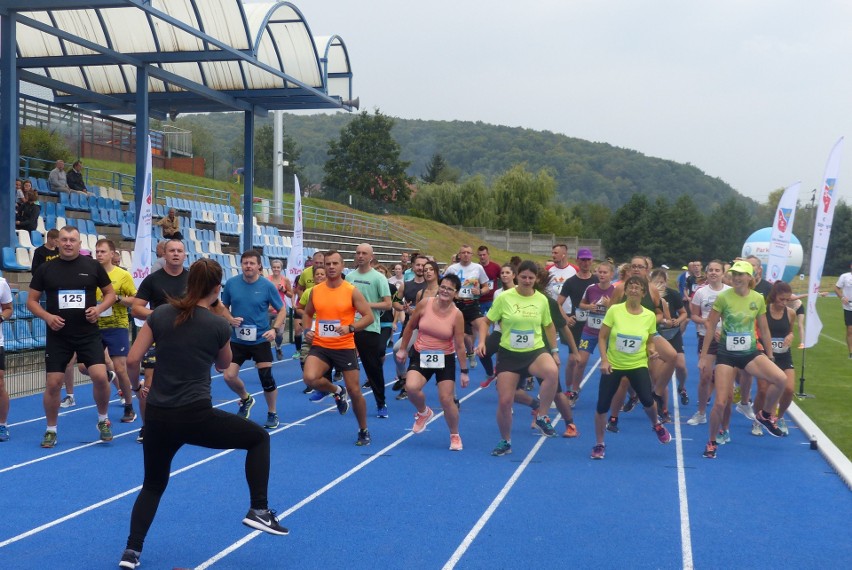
(105, 101)
(145, 57)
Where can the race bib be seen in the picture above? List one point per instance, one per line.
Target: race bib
(431, 359)
(581, 316)
(72, 299)
(466, 292)
(737, 342)
(595, 320)
(247, 333)
(521, 339)
(628, 344)
(107, 313)
(778, 346)
(328, 329)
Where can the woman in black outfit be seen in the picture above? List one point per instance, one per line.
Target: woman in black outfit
(28, 211)
(180, 410)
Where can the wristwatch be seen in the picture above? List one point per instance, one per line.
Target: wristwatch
(352, 328)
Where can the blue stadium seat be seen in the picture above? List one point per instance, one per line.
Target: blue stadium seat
(19, 306)
(23, 334)
(92, 201)
(90, 227)
(39, 333)
(10, 262)
(65, 200)
(60, 210)
(10, 343)
(97, 217)
(36, 238)
(49, 209)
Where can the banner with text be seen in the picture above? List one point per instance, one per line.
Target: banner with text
(825, 203)
(296, 260)
(782, 229)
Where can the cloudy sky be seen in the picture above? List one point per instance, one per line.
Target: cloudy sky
(754, 92)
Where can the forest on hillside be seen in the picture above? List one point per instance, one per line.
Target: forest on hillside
(585, 172)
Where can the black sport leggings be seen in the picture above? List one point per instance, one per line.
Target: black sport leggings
(492, 343)
(167, 429)
(639, 379)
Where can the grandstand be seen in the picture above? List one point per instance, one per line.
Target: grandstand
(211, 229)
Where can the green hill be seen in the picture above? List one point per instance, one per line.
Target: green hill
(584, 171)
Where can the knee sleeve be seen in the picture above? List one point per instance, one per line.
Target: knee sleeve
(266, 379)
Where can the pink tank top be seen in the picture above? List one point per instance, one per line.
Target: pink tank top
(436, 332)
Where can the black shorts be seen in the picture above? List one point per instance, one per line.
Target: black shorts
(448, 372)
(516, 362)
(736, 360)
(260, 352)
(677, 342)
(470, 311)
(783, 360)
(847, 317)
(2, 359)
(60, 350)
(341, 359)
(714, 346)
(149, 361)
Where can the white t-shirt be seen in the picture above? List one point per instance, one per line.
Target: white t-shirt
(558, 279)
(5, 298)
(704, 299)
(471, 275)
(844, 283)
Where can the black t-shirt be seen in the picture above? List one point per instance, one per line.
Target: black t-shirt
(387, 316)
(763, 288)
(157, 287)
(42, 254)
(574, 287)
(184, 355)
(69, 289)
(410, 290)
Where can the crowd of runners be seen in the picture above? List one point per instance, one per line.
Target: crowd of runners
(511, 318)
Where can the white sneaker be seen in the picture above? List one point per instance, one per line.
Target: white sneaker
(697, 418)
(68, 402)
(745, 409)
(756, 429)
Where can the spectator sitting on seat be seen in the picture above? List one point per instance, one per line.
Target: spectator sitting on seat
(28, 212)
(171, 226)
(75, 178)
(19, 193)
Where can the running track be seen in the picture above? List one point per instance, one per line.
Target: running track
(408, 502)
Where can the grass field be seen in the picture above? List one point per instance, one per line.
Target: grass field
(828, 375)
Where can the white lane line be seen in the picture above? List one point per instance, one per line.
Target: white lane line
(321, 491)
(685, 529)
(843, 342)
(486, 516)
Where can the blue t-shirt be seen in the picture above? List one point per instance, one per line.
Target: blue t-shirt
(251, 301)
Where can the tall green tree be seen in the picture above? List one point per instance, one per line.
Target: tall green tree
(520, 198)
(839, 253)
(438, 171)
(627, 231)
(466, 204)
(365, 160)
(728, 226)
(686, 223)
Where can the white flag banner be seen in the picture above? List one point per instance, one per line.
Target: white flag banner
(782, 229)
(296, 260)
(826, 200)
(141, 266)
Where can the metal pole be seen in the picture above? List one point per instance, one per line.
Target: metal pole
(801, 393)
(278, 163)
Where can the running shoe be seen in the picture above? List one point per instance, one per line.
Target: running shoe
(421, 419)
(341, 401)
(366, 385)
(471, 360)
(487, 382)
(745, 409)
(662, 433)
(278, 354)
(503, 448)
(710, 450)
(573, 397)
(4, 433)
(612, 424)
(684, 398)
(105, 431)
(382, 412)
(570, 430)
(756, 429)
(666, 417)
(140, 437)
(769, 423)
(307, 390)
(246, 405)
(544, 426)
(399, 384)
(737, 393)
(130, 559)
(317, 396)
(68, 402)
(455, 442)
(697, 418)
(129, 415)
(403, 395)
(598, 451)
(630, 404)
(49, 440)
(781, 423)
(265, 520)
(271, 420)
(363, 438)
(723, 437)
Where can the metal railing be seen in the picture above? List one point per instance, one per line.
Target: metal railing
(167, 189)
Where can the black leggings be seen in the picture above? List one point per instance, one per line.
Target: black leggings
(371, 351)
(639, 379)
(168, 429)
(492, 343)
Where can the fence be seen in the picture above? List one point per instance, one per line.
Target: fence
(535, 244)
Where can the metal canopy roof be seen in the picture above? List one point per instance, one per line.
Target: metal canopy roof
(200, 55)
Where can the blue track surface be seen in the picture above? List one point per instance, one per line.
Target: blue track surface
(408, 502)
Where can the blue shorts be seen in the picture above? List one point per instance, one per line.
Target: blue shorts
(116, 341)
(588, 343)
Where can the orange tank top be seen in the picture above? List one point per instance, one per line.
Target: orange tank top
(334, 309)
(436, 332)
